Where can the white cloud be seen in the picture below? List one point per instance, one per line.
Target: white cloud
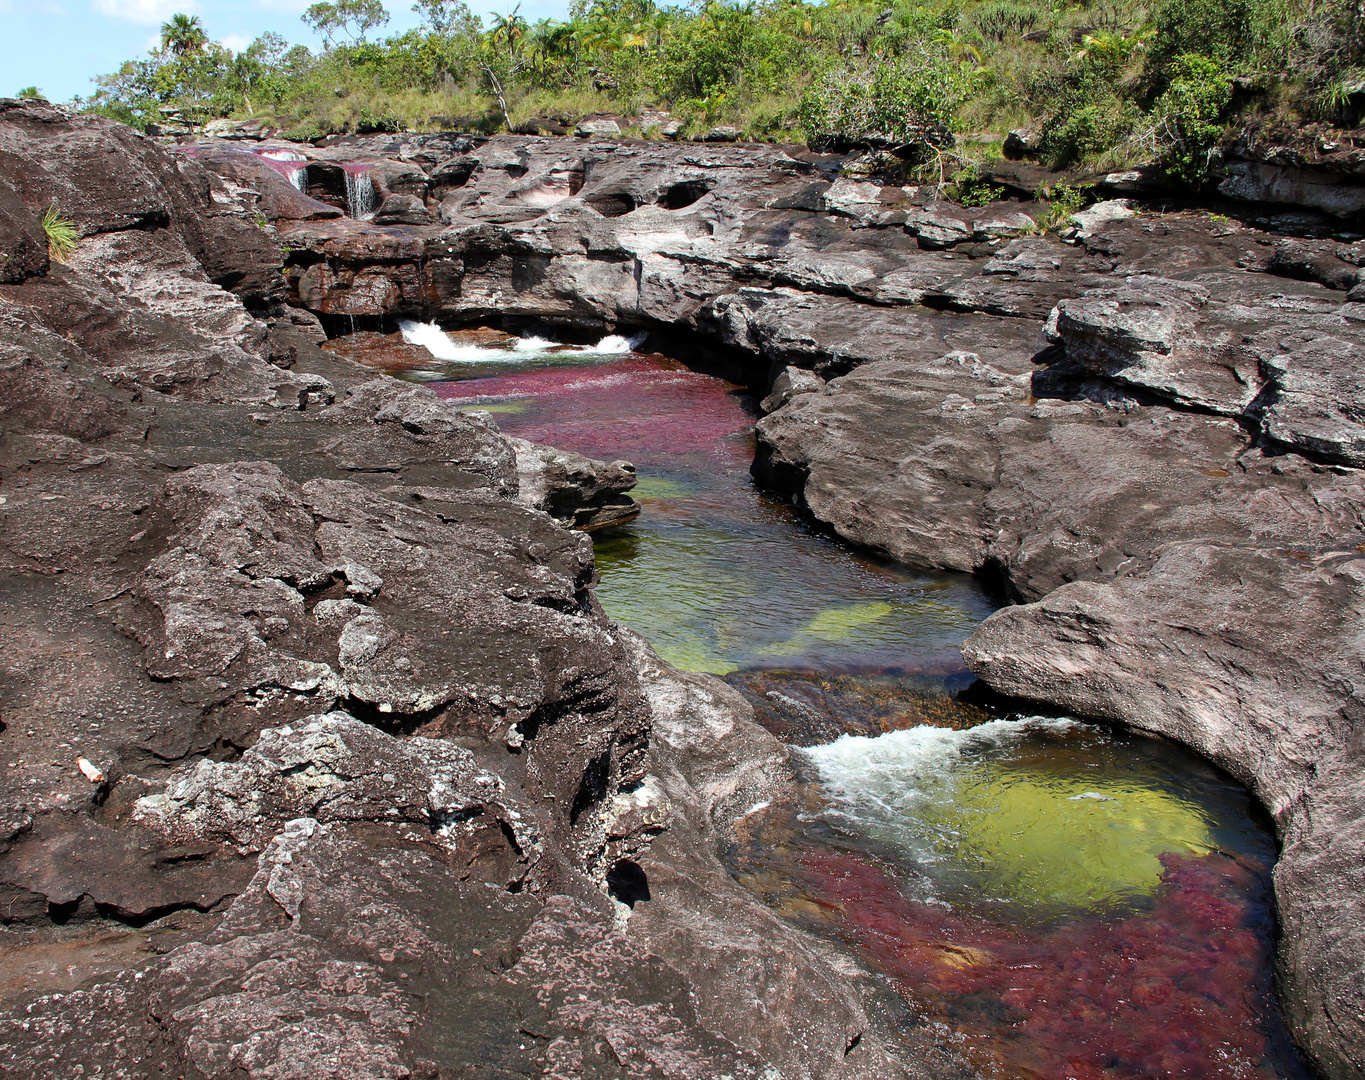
(236, 42)
(144, 11)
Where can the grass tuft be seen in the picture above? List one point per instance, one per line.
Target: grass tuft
(62, 235)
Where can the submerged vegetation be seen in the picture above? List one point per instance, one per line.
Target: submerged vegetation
(1097, 84)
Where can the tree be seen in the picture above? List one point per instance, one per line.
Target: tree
(449, 18)
(31, 93)
(512, 28)
(183, 34)
(350, 17)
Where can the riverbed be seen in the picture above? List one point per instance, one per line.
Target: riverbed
(1061, 898)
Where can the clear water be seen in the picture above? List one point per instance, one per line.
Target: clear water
(714, 574)
(1033, 819)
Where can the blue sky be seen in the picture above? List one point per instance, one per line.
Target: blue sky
(61, 45)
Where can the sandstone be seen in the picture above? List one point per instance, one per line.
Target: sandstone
(400, 796)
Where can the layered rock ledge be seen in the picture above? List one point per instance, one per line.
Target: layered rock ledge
(319, 756)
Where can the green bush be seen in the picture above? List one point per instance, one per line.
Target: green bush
(908, 101)
(1006, 19)
(1238, 34)
(970, 188)
(62, 235)
(1190, 115)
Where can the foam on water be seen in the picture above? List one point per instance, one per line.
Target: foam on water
(437, 342)
(1047, 814)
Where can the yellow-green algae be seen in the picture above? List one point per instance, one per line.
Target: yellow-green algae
(1048, 815)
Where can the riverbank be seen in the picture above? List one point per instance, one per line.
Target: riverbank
(1147, 436)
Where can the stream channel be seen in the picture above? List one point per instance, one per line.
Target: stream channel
(1062, 900)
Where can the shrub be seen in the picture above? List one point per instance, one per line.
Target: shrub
(1190, 115)
(1085, 131)
(62, 234)
(1006, 19)
(906, 102)
(1235, 33)
(970, 188)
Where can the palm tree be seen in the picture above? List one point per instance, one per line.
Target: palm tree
(183, 34)
(512, 27)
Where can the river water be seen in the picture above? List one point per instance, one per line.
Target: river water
(1063, 900)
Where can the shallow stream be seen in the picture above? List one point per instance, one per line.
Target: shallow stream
(1062, 899)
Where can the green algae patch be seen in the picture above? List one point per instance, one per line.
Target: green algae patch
(1041, 817)
(657, 487)
(830, 625)
(1035, 833)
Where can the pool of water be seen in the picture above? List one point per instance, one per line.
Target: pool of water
(1067, 900)
(1064, 900)
(714, 574)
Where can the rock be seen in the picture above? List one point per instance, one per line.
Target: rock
(1086, 222)
(723, 133)
(597, 129)
(791, 382)
(1021, 143)
(1004, 226)
(402, 210)
(581, 491)
(23, 244)
(107, 179)
(1310, 260)
(936, 229)
(1259, 181)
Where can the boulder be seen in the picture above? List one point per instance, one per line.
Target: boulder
(403, 210)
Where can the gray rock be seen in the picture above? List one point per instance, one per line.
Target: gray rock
(577, 490)
(1259, 181)
(1086, 222)
(596, 129)
(791, 382)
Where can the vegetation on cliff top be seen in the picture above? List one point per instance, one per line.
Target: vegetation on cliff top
(1101, 84)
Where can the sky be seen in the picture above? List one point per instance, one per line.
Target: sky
(59, 46)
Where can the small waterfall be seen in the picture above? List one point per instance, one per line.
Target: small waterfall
(360, 196)
(288, 164)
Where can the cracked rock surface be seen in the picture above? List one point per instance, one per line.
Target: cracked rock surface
(316, 749)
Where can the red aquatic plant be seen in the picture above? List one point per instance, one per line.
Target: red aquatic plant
(1181, 991)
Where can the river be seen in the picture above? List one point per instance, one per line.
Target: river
(1061, 899)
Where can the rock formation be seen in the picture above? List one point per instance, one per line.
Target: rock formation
(320, 758)
(371, 757)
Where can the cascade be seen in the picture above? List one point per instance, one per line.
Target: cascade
(288, 164)
(360, 196)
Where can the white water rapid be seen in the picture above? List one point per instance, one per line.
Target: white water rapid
(437, 342)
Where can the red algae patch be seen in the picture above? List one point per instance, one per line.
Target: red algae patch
(638, 405)
(1183, 991)
(1049, 953)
